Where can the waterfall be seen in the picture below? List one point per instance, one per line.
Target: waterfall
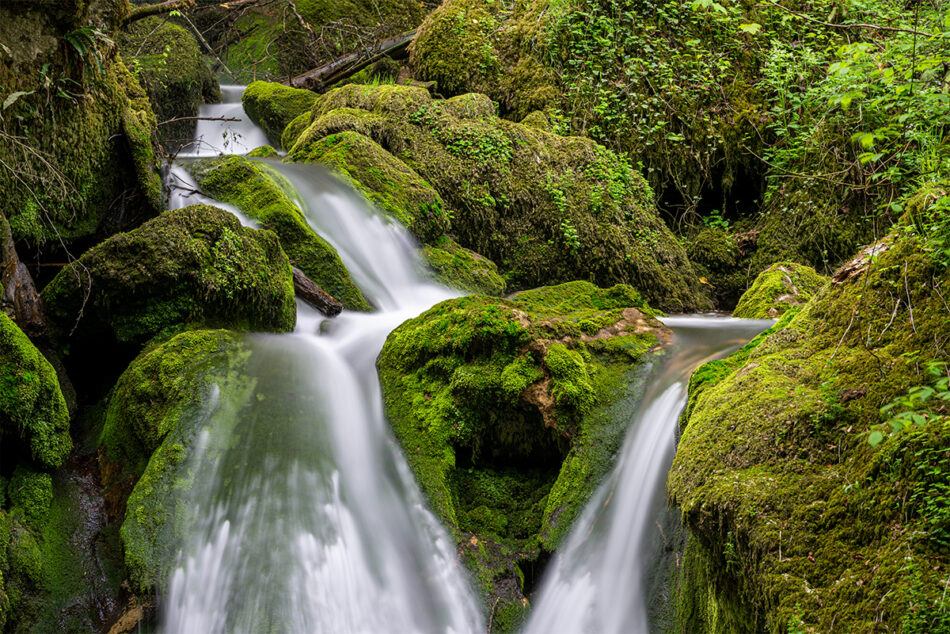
(308, 518)
(597, 582)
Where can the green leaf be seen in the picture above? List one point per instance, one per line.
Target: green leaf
(752, 28)
(875, 438)
(12, 99)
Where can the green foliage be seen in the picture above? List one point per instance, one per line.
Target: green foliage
(919, 405)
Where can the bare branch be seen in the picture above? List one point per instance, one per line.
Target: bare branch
(147, 10)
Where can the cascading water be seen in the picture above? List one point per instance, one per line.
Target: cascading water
(597, 582)
(308, 519)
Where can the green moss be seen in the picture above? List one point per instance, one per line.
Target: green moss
(463, 269)
(31, 493)
(776, 289)
(77, 135)
(33, 412)
(154, 415)
(798, 521)
(194, 266)
(536, 204)
(294, 129)
(510, 410)
(265, 151)
(721, 264)
(383, 179)
(273, 106)
(260, 193)
(165, 58)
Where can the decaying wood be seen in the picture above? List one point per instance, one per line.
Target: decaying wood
(19, 300)
(309, 292)
(146, 10)
(322, 77)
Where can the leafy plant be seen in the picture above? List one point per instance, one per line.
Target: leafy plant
(918, 405)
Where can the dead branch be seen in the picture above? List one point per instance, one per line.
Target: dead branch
(177, 119)
(147, 10)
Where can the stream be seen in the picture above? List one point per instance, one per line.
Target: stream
(309, 519)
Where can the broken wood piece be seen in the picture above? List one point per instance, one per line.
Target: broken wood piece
(315, 296)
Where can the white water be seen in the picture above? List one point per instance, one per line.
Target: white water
(225, 137)
(308, 517)
(597, 583)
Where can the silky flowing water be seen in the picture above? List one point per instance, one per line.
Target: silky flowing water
(307, 518)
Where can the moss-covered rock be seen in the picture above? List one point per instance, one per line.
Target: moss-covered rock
(463, 269)
(508, 411)
(191, 267)
(166, 60)
(34, 420)
(545, 208)
(153, 418)
(76, 154)
(262, 194)
(721, 263)
(796, 521)
(385, 180)
(272, 106)
(778, 288)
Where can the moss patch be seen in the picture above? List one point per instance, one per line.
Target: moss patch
(261, 193)
(33, 416)
(776, 289)
(505, 410)
(273, 106)
(463, 269)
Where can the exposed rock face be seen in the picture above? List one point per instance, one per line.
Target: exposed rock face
(778, 288)
(795, 519)
(509, 411)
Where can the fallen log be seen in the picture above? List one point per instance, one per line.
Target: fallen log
(315, 296)
(322, 77)
(144, 11)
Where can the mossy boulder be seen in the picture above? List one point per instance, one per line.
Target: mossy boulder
(545, 208)
(262, 194)
(385, 180)
(76, 157)
(193, 267)
(721, 263)
(796, 522)
(154, 415)
(34, 420)
(510, 411)
(778, 288)
(463, 269)
(173, 71)
(272, 106)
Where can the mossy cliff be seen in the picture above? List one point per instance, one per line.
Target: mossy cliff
(796, 522)
(262, 194)
(167, 62)
(778, 288)
(155, 412)
(76, 156)
(194, 267)
(508, 412)
(545, 208)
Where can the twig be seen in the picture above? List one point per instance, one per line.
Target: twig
(154, 9)
(859, 25)
(177, 119)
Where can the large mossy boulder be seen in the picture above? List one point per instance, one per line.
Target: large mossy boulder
(272, 106)
(545, 208)
(76, 155)
(510, 410)
(262, 194)
(778, 288)
(173, 71)
(193, 267)
(34, 420)
(155, 413)
(796, 521)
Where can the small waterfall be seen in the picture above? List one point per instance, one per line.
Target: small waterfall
(308, 518)
(216, 134)
(597, 582)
